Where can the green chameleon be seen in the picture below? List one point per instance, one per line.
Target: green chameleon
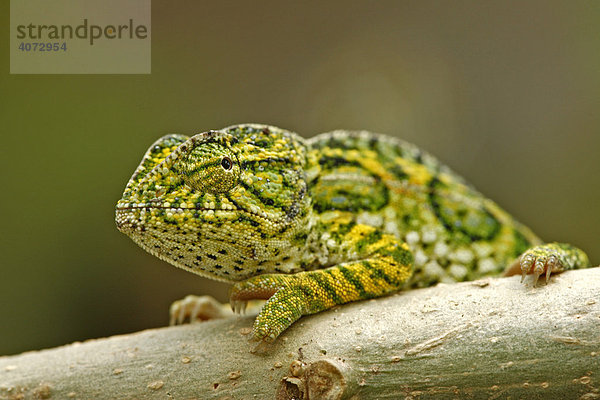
(309, 224)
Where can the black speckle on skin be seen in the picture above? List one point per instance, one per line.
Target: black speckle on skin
(217, 266)
(198, 258)
(301, 237)
(373, 142)
(419, 157)
(238, 268)
(330, 162)
(212, 257)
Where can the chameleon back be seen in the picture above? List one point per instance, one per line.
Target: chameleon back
(454, 232)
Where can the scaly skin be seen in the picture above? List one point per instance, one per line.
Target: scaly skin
(309, 224)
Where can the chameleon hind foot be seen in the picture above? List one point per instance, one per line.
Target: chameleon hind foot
(550, 258)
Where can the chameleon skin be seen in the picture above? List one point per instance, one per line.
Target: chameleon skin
(310, 224)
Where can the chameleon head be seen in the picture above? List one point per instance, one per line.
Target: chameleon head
(226, 204)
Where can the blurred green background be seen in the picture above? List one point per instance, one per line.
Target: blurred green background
(505, 92)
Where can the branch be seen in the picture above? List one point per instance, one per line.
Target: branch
(489, 338)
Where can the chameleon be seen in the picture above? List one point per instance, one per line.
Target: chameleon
(308, 224)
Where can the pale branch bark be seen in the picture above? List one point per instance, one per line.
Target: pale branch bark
(493, 338)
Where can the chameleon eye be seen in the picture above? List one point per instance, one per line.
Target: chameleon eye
(226, 163)
(209, 168)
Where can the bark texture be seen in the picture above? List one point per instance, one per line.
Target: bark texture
(493, 338)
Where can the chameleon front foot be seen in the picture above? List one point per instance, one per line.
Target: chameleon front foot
(195, 309)
(551, 258)
(286, 303)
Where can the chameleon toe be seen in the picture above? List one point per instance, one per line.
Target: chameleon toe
(238, 306)
(526, 261)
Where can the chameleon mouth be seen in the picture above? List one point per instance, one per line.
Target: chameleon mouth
(177, 208)
(130, 217)
(124, 205)
(184, 209)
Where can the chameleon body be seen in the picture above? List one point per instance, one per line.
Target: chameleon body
(311, 223)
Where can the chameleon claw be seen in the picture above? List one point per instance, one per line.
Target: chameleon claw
(536, 276)
(538, 269)
(176, 314)
(238, 306)
(550, 265)
(526, 263)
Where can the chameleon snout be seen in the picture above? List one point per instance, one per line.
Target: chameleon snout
(126, 222)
